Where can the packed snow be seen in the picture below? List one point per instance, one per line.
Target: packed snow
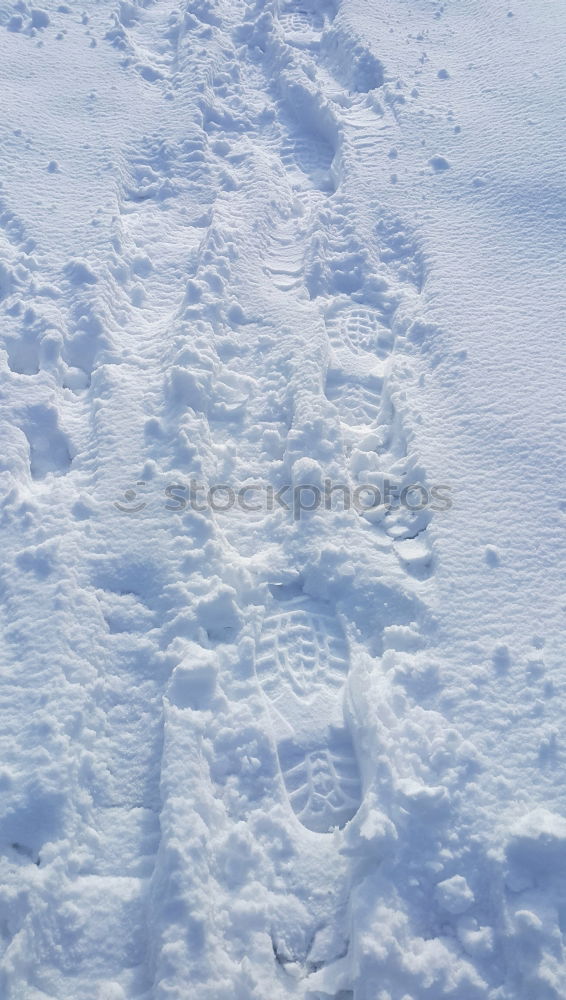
(282, 413)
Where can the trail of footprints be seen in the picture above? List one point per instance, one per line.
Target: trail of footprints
(302, 657)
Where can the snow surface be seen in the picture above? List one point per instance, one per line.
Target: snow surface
(247, 755)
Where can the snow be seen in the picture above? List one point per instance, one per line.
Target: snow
(282, 418)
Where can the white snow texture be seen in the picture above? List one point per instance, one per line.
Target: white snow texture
(255, 745)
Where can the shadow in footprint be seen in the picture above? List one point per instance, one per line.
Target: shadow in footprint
(311, 155)
(50, 449)
(352, 64)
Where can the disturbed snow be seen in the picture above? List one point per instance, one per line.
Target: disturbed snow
(251, 749)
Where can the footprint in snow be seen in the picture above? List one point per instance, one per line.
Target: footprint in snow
(302, 664)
